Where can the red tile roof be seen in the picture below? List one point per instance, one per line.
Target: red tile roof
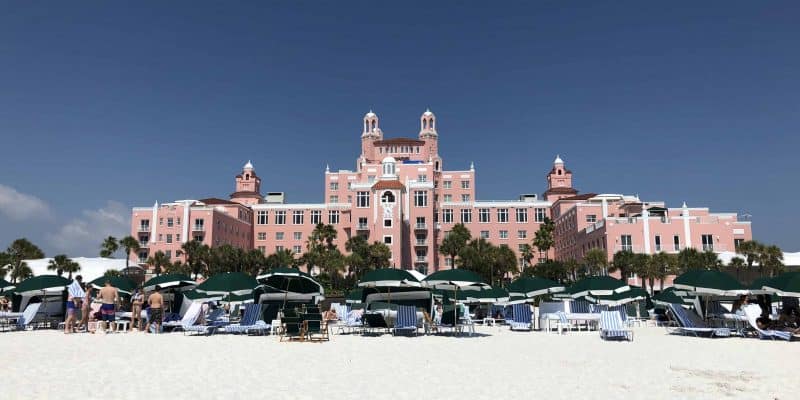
(215, 201)
(399, 141)
(393, 184)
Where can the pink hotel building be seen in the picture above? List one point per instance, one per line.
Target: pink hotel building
(400, 194)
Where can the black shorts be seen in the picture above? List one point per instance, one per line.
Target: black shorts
(156, 315)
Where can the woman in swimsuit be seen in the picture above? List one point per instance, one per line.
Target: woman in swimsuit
(136, 310)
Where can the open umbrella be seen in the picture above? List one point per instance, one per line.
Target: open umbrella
(291, 280)
(488, 296)
(354, 296)
(194, 295)
(709, 283)
(786, 284)
(168, 281)
(123, 284)
(634, 294)
(759, 285)
(597, 286)
(671, 295)
(455, 280)
(533, 286)
(37, 285)
(237, 283)
(388, 278)
(5, 285)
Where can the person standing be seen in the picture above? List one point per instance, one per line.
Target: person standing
(109, 298)
(137, 300)
(156, 302)
(86, 306)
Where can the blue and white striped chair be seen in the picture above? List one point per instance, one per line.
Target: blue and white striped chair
(406, 320)
(580, 307)
(612, 327)
(563, 323)
(623, 313)
(690, 323)
(251, 321)
(522, 317)
(24, 319)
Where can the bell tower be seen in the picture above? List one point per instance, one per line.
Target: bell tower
(248, 186)
(559, 182)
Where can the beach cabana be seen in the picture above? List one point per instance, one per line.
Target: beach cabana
(169, 281)
(671, 295)
(597, 286)
(6, 286)
(786, 284)
(228, 283)
(291, 284)
(532, 286)
(455, 280)
(615, 299)
(709, 283)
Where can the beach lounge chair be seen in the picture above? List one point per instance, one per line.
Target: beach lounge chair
(251, 321)
(753, 311)
(292, 328)
(406, 320)
(689, 323)
(563, 323)
(522, 317)
(612, 326)
(24, 319)
(312, 327)
(374, 322)
(188, 322)
(352, 322)
(580, 307)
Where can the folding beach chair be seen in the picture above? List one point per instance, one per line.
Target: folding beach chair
(406, 320)
(292, 328)
(24, 320)
(690, 323)
(188, 321)
(374, 322)
(312, 328)
(522, 317)
(563, 323)
(753, 311)
(612, 327)
(251, 321)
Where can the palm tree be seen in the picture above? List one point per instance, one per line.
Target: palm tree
(771, 260)
(751, 250)
(477, 257)
(711, 260)
(624, 263)
(280, 258)
(689, 259)
(572, 267)
(596, 261)
(663, 264)
(20, 272)
(455, 241)
(19, 250)
(159, 262)
(503, 261)
(194, 250)
(320, 249)
(58, 264)
(641, 267)
(130, 244)
(109, 247)
(527, 254)
(543, 239)
(737, 263)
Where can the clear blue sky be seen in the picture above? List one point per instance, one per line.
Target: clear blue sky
(108, 105)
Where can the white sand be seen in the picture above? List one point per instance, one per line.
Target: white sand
(497, 365)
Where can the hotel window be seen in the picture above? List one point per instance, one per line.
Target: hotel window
(278, 248)
(333, 217)
(168, 253)
(466, 216)
(708, 242)
(387, 197)
(447, 215)
(278, 235)
(420, 198)
(198, 238)
(297, 249)
(280, 217)
(522, 214)
(142, 255)
(298, 235)
(464, 198)
(387, 239)
(626, 243)
(362, 222)
(316, 217)
(522, 234)
(297, 217)
(422, 178)
(169, 238)
(177, 221)
(169, 223)
(737, 243)
(333, 199)
(465, 184)
(541, 213)
(676, 243)
(447, 184)
(178, 237)
(334, 185)
(262, 235)
(160, 221)
(387, 223)
(658, 243)
(421, 223)
(371, 178)
(262, 249)
(448, 198)
(591, 218)
(144, 225)
(502, 215)
(483, 215)
(484, 234)
(262, 217)
(448, 262)
(349, 185)
(362, 199)
(503, 234)
(198, 224)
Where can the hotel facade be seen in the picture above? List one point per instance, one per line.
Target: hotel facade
(400, 194)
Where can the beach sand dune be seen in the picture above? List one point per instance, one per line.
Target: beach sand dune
(496, 364)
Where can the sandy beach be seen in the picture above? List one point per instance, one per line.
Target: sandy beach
(494, 364)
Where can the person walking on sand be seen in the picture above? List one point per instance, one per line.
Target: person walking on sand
(109, 298)
(156, 302)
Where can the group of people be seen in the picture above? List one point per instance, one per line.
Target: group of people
(788, 319)
(105, 317)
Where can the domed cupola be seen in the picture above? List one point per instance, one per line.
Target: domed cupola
(427, 125)
(371, 126)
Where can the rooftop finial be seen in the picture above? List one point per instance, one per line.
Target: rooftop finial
(558, 159)
(684, 205)
(472, 165)
(327, 168)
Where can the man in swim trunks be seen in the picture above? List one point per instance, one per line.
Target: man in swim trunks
(156, 302)
(108, 297)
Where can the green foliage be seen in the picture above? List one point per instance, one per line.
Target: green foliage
(689, 259)
(109, 247)
(281, 258)
(596, 261)
(455, 241)
(543, 239)
(159, 262)
(129, 244)
(12, 260)
(623, 263)
(491, 262)
(112, 273)
(61, 263)
(550, 269)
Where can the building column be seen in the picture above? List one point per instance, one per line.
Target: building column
(646, 230)
(154, 223)
(186, 205)
(605, 208)
(687, 231)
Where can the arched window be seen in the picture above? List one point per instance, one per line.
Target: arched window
(559, 172)
(247, 177)
(436, 166)
(388, 168)
(387, 197)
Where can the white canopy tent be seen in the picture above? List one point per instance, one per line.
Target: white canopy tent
(91, 268)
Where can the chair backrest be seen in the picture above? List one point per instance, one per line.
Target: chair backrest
(522, 313)
(753, 312)
(215, 314)
(29, 314)
(622, 310)
(597, 308)
(579, 307)
(610, 320)
(289, 312)
(562, 317)
(375, 320)
(252, 313)
(291, 324)
(190, 317)
(406, 317)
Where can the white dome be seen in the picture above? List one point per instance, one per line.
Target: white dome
(370, 114)
(249, 165)
(427, 113)
(558, 160)
(388, 160)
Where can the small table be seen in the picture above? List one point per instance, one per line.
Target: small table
(275, 327)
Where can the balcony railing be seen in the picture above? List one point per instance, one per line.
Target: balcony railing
(143, 228)
(363, 227)
(421, 226)
(199, 228)
(421, 258)
(421, 242)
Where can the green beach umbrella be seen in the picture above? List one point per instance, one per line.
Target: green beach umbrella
(455, 280)
(123, 284)
(759, 285)
(786, 284)
(709, 283)
(634, 294)
(533, 286)
(354, 296)
(234, 298)
(491, 295)
(291, 280)
(671, 295)
(6, 285)
(237, 283)
(388, 277)
(597, 286)
(194, 295)
(168, 281)
(42, 283)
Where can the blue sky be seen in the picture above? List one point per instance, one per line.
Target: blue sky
(111, 105)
